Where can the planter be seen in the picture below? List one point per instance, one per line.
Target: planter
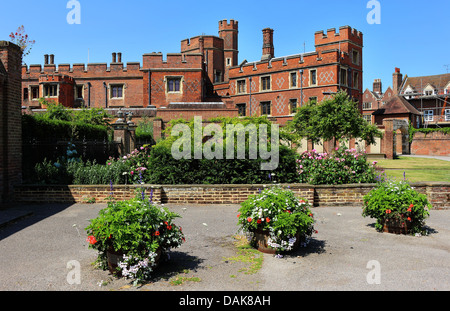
(261, 237)
(395, 226)
(114, 257)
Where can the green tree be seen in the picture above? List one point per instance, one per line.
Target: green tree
(337, 118)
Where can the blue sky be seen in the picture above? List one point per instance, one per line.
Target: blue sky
(412, 35)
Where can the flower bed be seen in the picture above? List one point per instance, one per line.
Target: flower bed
(287, 221)
(138, 232)
(397, 207)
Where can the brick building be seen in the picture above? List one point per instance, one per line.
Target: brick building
(10, 119)
(207, 71)
(424, 100)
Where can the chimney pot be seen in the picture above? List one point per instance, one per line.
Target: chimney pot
(119, 56)
(46, 59)
(52, 59)
(113, 57)
(268, 48)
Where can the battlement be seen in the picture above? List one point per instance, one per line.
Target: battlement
(33, 71)
(225, 25)
(346, 33)
(172, 61)
(199, 43)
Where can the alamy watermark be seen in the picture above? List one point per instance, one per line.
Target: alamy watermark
(374, 275)
(213, 148)
(74, 15)
(374, 16)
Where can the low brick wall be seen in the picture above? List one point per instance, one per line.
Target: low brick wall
(433, 144)
(320, 196)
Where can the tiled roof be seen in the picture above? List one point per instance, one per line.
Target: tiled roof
(397, 105)
(419, 83)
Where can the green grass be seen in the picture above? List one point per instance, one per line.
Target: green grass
(416, 169)
(246, 254)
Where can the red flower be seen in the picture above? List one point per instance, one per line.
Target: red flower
(409, 218)
(409, 209)
(249, 219)
(91, 239)
(239, 215)
(388, 211)
(411, 206)
(258, 221)
(156, 233)
(268, 219)
(169, 227)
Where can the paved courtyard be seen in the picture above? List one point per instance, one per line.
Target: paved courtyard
(37, 246)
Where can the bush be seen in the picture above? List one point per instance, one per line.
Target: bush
(344, 166)
(397, 201)
(139, 230)
(278, 211)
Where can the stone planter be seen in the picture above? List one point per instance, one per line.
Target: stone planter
(261, 238)
(114, 257)
(396, 226)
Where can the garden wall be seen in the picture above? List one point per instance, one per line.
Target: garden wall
(433, 144)
(320, 196)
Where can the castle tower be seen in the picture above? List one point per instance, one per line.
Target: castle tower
(229, 33)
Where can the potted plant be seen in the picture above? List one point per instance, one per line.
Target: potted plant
(276, 221)
(132, 236)
(397, 207)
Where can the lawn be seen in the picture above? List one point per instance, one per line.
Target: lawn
(416, 169)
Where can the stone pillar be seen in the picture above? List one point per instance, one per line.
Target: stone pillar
(10, 119)
(120, 133)
(387, 143)
(131, 133)
(157, 129)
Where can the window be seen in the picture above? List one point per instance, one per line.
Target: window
(447, 114)
(313, 77)
(228, 61)
(116, 91)
(25, 93)
(241, 86)
(293, 106)
(34, 92)
(79, 91)
(355, 57)
(50, 90)
(368, 118)
(265, 83)
(242, 108)
(265, 108)
(313, 99)
(355, 80)
(428, 115)
(174, 85)
(218, 76)
(446, 91)
(367, 106)
(293, 77)
(428, 93)
(343, 76)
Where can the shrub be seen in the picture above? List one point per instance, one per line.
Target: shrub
(278, 211)
(343, 166)
(397, 201)
(138, 229)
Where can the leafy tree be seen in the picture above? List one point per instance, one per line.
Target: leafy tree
(337, 118)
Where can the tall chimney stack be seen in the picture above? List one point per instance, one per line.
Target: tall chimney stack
(377, 86)
(119, 57)
(52, 59)
(46, 59)
(397, 79)
(113, 57)
(268, 49)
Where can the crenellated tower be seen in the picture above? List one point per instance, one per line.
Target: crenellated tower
(228, 31)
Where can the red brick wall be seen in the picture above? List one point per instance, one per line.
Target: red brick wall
(434, 144)
(319, 196)
(10, 119)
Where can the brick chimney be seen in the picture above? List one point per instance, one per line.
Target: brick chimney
(397, 79)
(377, 86)
(268, 51)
